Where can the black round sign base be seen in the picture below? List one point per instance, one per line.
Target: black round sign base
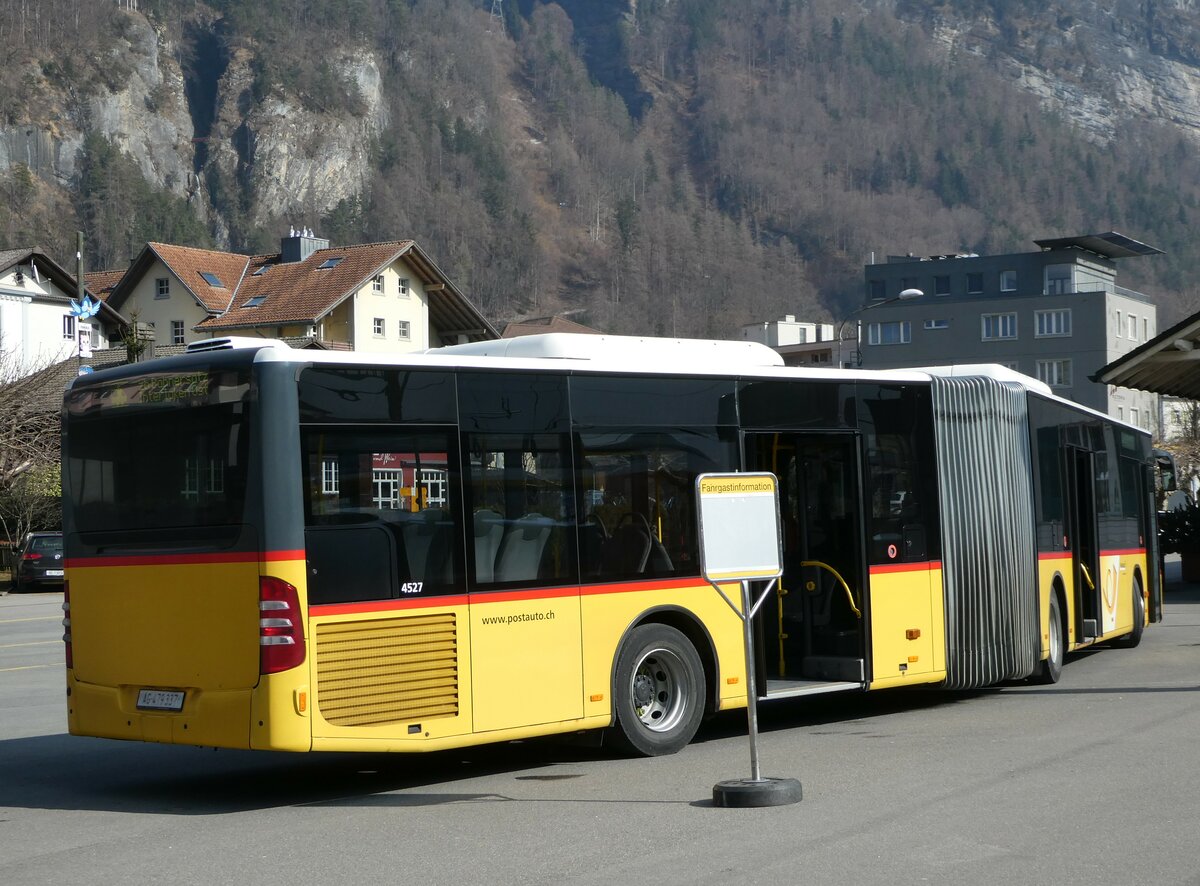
(743, 793)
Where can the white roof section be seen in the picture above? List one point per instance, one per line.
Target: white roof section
(990, 370)
(659, 354)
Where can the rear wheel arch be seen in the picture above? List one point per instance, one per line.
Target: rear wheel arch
(697, 634)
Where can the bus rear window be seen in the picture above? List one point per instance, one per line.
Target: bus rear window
(169, 469)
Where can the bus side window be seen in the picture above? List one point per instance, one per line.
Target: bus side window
(522, 516)
(380, 514)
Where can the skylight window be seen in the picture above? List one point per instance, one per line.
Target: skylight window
(331, 262)
(212, 279)
(255, 301)
(262, 270)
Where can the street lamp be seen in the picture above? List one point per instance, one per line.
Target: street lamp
(903, 296)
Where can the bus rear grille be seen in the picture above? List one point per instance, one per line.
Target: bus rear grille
(395, 670)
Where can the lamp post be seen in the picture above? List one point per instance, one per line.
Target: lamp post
(903, 296)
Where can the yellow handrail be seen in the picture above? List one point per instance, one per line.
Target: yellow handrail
(841, 581)
(1087, 577)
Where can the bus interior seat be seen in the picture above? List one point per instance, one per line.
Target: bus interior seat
(521, 549)
(593, 535)
(489, 531)
(628, 549)
(427, 536)
(348, 563)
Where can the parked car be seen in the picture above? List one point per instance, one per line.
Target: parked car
(38, 562)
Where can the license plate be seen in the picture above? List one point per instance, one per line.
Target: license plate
(159, 700)
(54, 573)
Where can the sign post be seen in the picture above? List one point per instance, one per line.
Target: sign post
(740, 541)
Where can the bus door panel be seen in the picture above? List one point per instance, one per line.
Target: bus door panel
(814, 632)
(1083, 542)
(523, 671)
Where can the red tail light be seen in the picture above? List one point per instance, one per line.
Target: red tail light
(280, 628)
(31, 556)
(66, 623)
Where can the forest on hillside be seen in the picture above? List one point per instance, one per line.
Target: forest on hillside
(680, 169)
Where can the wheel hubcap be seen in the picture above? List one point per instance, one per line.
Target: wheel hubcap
(659, 690)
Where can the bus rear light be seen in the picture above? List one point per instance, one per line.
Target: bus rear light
(66, 623)
(280, 629)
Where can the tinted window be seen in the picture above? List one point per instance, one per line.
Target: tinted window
(796, 405)
(609, 401)
(521, 500)
(897, 426)
(164, 453)
(512, 401)
(353, 394)
(381, 514)
(638, 511)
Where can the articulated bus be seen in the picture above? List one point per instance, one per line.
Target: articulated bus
(309, 550)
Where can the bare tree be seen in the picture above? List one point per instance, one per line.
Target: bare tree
(30, 402)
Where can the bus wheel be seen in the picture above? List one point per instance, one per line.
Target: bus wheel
(659, 692)
(1050, 670)
(1134, 637)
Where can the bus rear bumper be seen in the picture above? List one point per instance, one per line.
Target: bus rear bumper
(209, 718)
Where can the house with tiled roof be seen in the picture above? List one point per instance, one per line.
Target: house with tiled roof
(371, 297)
(543, 325)
(37, 326)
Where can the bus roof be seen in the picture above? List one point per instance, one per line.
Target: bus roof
(628, 353)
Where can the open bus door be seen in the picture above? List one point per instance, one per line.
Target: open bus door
(1083, 542)
(814, 632)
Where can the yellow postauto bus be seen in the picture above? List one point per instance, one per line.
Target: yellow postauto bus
(306, 550)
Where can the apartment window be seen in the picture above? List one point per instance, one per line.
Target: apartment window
(1047, 324)
(999, 326)
(1011, 364)
(877, 290)
(377, 325)
(404, 287)
(377, 285)
(177, 332)
(898, 332)
(1145, 329)
(974, 284)
(162, 287)
(1121, 413)
(1120, 326)
(68, 329)
(1060, 279)
(941, 285)
(1056, 373)
(329, 476)
(1132, 319)
(1008, 281)
(405, 330)
(937, 324)
(1133, 415)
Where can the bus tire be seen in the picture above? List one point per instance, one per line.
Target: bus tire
(1049, 670)
(1134, 637)
(658, 691)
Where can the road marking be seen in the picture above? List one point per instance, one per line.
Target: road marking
(28, 668)
(9, 621)
(38, 643)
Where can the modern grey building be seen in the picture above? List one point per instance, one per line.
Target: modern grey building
(1057, 315)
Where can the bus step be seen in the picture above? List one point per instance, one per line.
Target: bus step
(794, 688)
(1089, 629)
(835, 668)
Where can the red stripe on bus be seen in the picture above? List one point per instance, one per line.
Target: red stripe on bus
(1124, 552)
(1054, 555)
(887, 568)
(500, 596)
(186, 559)
(387, 605)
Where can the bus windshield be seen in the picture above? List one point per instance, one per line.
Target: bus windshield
(166, 454)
